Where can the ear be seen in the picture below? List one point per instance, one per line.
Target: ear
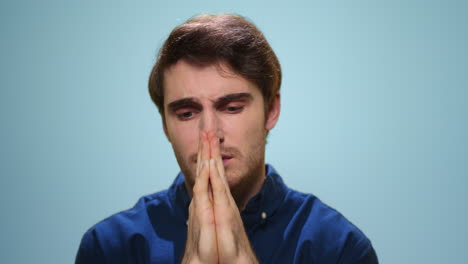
(273, 113)
(165, 129)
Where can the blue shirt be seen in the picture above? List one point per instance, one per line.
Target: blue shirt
(283, 226)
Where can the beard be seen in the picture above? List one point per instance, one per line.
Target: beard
(244, 173)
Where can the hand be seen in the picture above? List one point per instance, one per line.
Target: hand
(201, 245)
(233, 243)
(215, 229)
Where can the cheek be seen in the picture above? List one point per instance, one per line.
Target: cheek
(239, 130)
(184, 138)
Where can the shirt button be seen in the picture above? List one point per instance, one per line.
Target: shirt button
(264, 215)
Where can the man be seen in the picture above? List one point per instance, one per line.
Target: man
(216, 84)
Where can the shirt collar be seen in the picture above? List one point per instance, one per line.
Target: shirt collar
(266, 202)
(259, 208)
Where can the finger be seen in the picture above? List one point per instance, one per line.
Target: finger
(205, 155)
(204, 189)
(214, 147)
(216, 155)
(220, 191)
(210, 192)
(200, 189)
(200, 145)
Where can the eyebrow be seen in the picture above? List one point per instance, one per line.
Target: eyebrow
(232, 97)
(223, 100)
(184, 102)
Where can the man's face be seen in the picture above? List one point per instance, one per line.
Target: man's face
(214, 99)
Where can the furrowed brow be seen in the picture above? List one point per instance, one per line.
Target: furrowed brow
(184, 102)
(232, 97)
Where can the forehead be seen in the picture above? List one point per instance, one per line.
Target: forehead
(184, 80)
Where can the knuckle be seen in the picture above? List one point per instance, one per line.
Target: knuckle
(221, 190)
(197, 189)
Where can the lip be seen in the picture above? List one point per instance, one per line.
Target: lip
(226, 159)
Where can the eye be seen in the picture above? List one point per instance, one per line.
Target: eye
(185, 114)
(234, 109)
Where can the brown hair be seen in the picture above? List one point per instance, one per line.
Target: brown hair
(209, 39)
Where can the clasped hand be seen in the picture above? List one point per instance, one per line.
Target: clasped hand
(215, 230)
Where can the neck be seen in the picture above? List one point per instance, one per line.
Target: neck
(244, 190)
(248, 187)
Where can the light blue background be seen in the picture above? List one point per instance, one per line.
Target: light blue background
(374, 117)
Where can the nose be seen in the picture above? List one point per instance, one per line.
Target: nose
(210, 121)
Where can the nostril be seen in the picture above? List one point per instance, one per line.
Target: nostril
(220, 135)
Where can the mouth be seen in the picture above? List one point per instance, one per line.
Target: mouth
(226, 159)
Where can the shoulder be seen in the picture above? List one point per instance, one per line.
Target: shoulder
(113, 233)
(136, 217)
(326, 231)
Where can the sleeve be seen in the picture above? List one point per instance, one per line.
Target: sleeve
(90, 252)
(370, 257)
(358, 249)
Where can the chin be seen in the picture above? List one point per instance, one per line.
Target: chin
(234, 177)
